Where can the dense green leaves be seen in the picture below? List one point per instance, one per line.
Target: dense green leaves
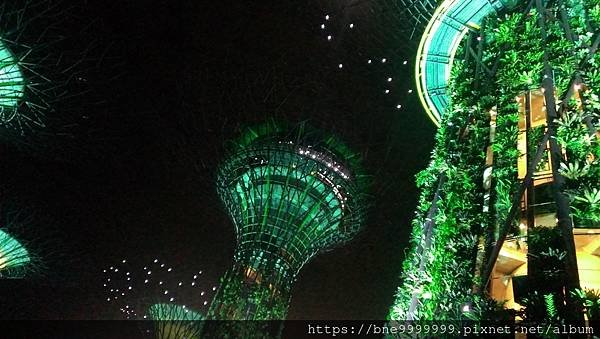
(439, 272)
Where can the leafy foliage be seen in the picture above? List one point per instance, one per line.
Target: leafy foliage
(439, 270)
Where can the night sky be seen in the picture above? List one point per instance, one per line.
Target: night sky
(178, 79)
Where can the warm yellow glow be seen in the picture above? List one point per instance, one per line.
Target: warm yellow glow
(532, 114)
(512, 262)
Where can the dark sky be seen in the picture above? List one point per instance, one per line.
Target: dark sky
(137, 180)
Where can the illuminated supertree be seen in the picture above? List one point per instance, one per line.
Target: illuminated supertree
(14, 257)
(291, 192)
(509, 209)
(19, 257)
(174, 321)
(135, 288)
(45, 83)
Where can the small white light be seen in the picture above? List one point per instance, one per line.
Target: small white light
(112, 268)
(146, 281)
(351, 25)
(193, 283)
(166, 292)
(162, 265)
(329, 37)
(340, 66)
(205, 303)
(410, 91)
(389, 79)
(195, 276)
(149, 272)
(107, 299)
(387, 91)
(322, 26)
(405, 62)
(169, 270)
(398, 106)
(180, 283)
(383, 60)
(124, 261)
(129, 288)
(155, 260)
(160, 283)
(172, 299)
(327, 17)
(214, 288)
(369, 61)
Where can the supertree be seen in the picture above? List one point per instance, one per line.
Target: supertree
(508, 214)
(47, 76)
(232, 87)
(291, 192)
(14, 257)
(175, 321)
(19, 247)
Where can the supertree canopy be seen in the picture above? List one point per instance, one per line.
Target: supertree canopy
(21, 244)
(46, 74)
(12, 84)
(14, 257)
(509, 210)
(291, 193)
(164, 311)
(175, 321)
(27, 83)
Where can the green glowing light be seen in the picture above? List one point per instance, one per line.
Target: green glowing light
(12, 84)
(437, 48)
(163, 311)
(513, 70)
(175, 321)
(12, 254)
(292, 193)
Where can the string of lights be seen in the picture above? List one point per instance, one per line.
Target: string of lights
(133, 289)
